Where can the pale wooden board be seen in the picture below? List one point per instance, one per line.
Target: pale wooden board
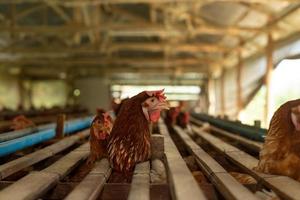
(67, 163)
(91, 186)
(254, 145)
(140, 186)
(31, 186)
(287, 188)
(216, 142)
(157, 146)
(35, 184)
(182, 183)
(9, 168)
(226, 184)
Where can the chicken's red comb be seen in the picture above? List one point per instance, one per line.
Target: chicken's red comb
(158, 94)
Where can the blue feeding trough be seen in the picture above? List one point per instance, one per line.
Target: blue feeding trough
(27, 131)
(250, 132)
(17, 144)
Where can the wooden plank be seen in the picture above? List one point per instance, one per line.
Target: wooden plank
(226, 184)
(253, 145)
(181, 181)
(14, 166)
(93, 183)
(256, 146)
(286, 188)
(35, 184)
(66, 164)
(140, 186)
(115, 191)
(31, 186)
(157, 146)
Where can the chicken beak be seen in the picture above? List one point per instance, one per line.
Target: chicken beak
(163, 106)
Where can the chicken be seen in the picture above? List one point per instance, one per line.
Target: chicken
(117, 106)
(280, 154)
(183, 117)
(171, 116)
(129, 141)
(21, 122)
(100, 129)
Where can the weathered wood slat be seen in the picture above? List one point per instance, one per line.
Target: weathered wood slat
(226, 184)
(9, 168)
(36, 184)
(157, 146)
(256, 146)
(284, 186)
(66, 164)
(140, 186)
(182, 183)
(92, 184)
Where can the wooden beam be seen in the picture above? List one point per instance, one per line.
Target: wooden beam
(152, 47)
(28, 11)
(132, 62)
(223, 103)
(239, 100)
(123, 12)
(181, 47)
(60, 125)
(272, 23)
(58, 10)
(131, 29)
(146, 29)
(268, 76)
(96, 70)
(97, 2)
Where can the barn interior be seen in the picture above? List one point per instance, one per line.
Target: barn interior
(228, 64)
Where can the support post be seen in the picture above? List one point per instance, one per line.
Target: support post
(268, 76)
(223, 110)
(239, 101)
(60, 124)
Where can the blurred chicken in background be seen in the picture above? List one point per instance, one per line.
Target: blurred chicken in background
(21, 122)
(183, 117)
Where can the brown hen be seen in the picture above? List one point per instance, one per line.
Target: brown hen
(21, 122)
(129, 141)
(100, 129)
(281, 151)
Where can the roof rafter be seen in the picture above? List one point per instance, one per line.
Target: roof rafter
(93, 2)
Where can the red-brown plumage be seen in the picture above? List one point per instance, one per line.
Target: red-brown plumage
(117, 106)
(21, 122)
(171, 116)
(183, 119)
(129, 141)
(281, 151)
(99, 132)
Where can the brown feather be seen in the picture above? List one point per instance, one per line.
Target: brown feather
(21, 122)
(129, 141)
(281, 151)
(98, 146)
